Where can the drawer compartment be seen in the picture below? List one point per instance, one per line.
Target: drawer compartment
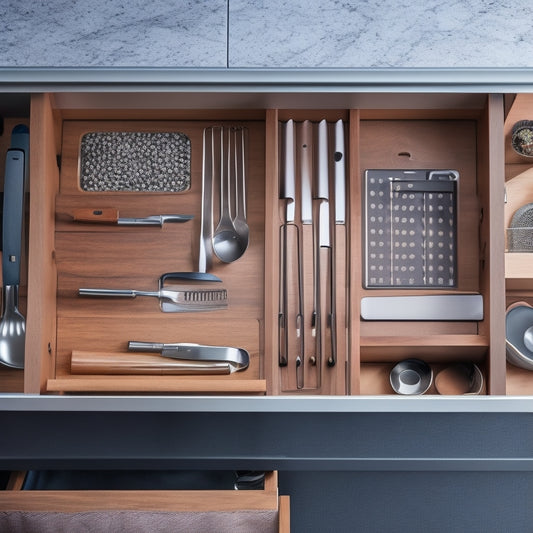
(268, 291)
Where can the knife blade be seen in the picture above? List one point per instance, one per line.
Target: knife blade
(111, 216)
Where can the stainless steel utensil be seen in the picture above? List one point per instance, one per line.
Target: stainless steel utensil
(111, 216)
(210, 168)
(13, 324)
(228, 245)
(237, 358)
(239, 222)
(171, 301)
(411, 376)
(518, 323)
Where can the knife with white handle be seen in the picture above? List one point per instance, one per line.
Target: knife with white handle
(324, 279)
(290, 309)
(338, 275)
(287, 193)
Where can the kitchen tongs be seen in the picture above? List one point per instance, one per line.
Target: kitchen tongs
(171, 359)
(235, 358)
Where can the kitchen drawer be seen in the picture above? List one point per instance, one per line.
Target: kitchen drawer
(126, 510)
(65, 255)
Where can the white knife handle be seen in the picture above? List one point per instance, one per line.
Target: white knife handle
(340, 174)
(323, 171)
(323, 184)
(288, 188)
(306, 169)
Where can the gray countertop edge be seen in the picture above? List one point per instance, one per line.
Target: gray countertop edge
(268, 404)
(36, 79)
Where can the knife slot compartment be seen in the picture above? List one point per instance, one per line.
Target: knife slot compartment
(315, 331)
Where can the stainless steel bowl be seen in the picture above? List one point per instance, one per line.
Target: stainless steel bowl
(411, 376)
(460, 379)
(518, 320)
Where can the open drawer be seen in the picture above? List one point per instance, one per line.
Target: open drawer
(66, 255)
(155, 510)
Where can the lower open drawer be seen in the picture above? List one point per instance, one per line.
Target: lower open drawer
(148, 510)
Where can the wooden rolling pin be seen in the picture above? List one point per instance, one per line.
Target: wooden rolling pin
(83, 362)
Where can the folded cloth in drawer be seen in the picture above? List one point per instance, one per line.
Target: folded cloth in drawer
(258, 521)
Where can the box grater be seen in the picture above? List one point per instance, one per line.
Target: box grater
(410, 228)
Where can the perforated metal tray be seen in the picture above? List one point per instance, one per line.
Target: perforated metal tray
(410, 226)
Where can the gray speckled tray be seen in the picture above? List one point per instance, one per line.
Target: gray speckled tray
(135, 161)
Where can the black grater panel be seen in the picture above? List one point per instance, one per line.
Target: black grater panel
(410, 228)
(378, 234)
(407, 238)
(440, 239)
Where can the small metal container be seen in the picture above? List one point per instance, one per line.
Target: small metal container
(411, 376)
(459, 379)
(518, 320)
(522, 138)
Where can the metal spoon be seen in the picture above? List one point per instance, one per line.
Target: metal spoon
(228, 245)
(239, 222)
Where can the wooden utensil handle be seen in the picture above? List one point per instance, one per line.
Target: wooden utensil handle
(103, 216)
(84, 362)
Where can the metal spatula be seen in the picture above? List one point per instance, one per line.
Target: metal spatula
(171, 301)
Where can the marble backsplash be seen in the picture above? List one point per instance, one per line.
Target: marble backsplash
(266, 33)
